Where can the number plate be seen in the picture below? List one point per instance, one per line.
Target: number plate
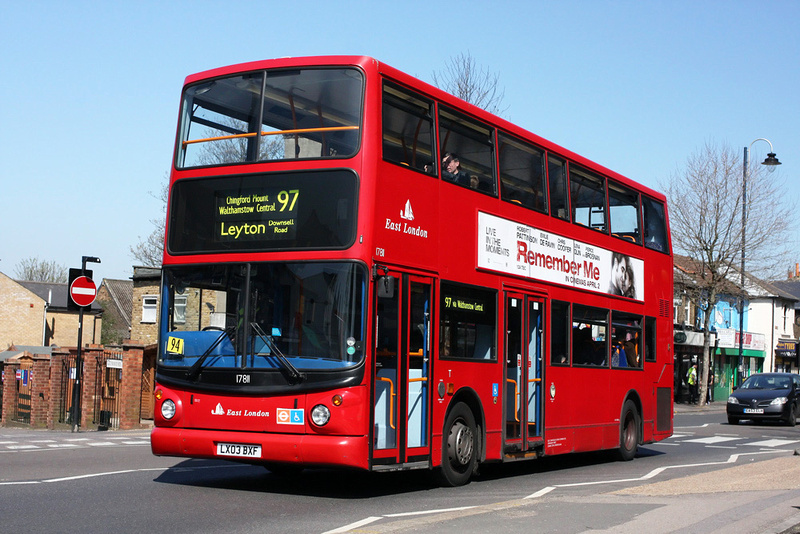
(754, 410)
(239, 449)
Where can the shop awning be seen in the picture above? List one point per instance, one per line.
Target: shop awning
(747, 353)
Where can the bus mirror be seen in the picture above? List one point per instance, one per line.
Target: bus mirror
(385, 287)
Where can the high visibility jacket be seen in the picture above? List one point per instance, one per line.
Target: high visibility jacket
(692, 376)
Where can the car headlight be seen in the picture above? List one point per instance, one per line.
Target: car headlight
(778, 401)
(733, 400)
(168, 409)
(320, 415)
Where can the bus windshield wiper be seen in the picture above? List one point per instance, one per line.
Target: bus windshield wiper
(294, 374)
(194, 370)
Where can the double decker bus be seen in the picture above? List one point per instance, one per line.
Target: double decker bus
(361, 270)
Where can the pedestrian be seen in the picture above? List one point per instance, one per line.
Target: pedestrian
(691, 379)
(710, 392)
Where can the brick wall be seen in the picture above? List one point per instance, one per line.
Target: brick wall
(48, 386)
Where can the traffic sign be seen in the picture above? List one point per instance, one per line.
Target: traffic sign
(83, 291)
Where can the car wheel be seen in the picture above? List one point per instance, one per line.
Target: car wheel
(628, 432)
(459, 446)
(792, 419)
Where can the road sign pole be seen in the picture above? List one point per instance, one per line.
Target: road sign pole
(77, 385)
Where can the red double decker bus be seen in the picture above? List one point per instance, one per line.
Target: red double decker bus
(364, 271)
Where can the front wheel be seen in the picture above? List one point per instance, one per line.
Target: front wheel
(459, 446)
(791, 420)
(628, 431)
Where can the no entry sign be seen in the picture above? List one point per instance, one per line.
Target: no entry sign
(82, 291)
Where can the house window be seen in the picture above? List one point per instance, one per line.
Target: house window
(149, 308)
(180, 310)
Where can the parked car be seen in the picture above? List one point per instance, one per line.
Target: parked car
(766, 397)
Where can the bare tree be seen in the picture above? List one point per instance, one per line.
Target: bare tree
(35, 270)
(150, 250)
(706, 221)
(463, 78)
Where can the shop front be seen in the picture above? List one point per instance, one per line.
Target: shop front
(786, 357)
(688, 351)
(730, 370)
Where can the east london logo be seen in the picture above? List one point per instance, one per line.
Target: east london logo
(219, 410)
(407, 214)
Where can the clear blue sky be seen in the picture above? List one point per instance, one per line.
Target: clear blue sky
(90, 90)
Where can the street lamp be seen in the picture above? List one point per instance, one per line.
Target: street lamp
(770, 161)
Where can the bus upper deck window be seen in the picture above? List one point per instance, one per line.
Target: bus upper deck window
(522, 174)
(557, 180)
(588, 199)
(655, 227)
(408, 134)
(467, 152)
(271, 115)
(623, 207)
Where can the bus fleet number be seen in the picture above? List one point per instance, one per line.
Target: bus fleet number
(242, 379)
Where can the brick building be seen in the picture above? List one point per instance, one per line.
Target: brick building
(35, 313)
(145, 301)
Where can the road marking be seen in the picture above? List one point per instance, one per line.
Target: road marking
(711, 440)
(351, 526)
(733, 458)
(773, 443)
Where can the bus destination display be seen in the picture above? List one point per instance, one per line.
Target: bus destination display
(260, 214)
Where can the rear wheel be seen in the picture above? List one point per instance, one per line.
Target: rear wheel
(459, 446)
(628, 431)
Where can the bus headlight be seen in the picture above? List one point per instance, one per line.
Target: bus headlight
(320, 415)
(168, 409)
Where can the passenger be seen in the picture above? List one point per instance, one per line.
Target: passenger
(631, 346)
(619, 357)
(474, 182)
(451, 170)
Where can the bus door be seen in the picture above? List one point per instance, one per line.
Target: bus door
(401, 402)
(524, 349)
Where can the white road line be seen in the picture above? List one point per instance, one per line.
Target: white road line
(711, 440)
(425, 512)
(351, 526)
(773, 443)
(733, 458)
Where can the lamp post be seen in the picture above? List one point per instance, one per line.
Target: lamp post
(770, 161)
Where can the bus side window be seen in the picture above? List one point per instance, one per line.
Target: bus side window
(623, 212)
(559, 333)
(557, 178)
(470, 144)
(655, 227)
(468, 322)
(588, 199)
(650, 339)
(408, 130)
(589, 336)
(522, 174)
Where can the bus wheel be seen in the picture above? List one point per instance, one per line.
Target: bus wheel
(459, 446)
(628, 431)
